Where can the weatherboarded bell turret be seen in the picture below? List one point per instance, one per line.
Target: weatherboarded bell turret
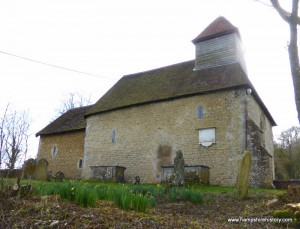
(219, 44)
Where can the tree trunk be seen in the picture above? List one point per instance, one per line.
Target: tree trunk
(294, 55)
(293, 20)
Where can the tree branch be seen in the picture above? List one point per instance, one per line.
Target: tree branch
(282, 12)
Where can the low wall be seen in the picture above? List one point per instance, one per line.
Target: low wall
(284, 184)
(191, 172)
(7, 173)
(108, 173)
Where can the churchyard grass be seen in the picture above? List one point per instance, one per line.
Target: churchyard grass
(86, 194)
(127, 196)
(186, 194)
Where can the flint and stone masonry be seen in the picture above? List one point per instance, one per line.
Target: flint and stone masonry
(147, 136)
(63, 153)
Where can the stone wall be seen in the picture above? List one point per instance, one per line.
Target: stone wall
(145, 137)
(284, 184)
(10, 173)
(63, 152)
(260, 144)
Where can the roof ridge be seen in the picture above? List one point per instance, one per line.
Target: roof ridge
(157, 69)
(77, 108)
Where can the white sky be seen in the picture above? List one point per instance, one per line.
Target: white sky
(111, 38)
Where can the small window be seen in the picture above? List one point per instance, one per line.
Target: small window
(80, 163)
(113, 136)
(54, 151)
(200, 112)
(207, 136)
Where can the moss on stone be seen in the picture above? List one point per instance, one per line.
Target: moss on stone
(243, 176)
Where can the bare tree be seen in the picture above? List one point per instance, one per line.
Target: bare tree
(293, 20)
(2, 133)
(289, 143)
(72, 100)
(14, 137)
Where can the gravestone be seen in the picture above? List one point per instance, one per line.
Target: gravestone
(243, 176)
(41, 170)
(29, 167)
(137, 180)
(179, 169)
(15, 188)
(59, 176)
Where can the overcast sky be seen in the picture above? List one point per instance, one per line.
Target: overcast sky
(110, 38)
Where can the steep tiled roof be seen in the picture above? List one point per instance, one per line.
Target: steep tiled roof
(172, 82)
(219, 27)
(70, 121)
(178, 80)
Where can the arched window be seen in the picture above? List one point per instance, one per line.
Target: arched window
(113, 136)
(54, 151)
(80, 163)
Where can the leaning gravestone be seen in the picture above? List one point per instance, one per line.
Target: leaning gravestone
(243, 176)
(41, 171)
(179, 169)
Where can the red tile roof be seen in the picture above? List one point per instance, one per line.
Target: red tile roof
(219, 27)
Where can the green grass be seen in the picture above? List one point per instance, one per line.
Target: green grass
(213, 189)
(85, 196)
(267, 191)
(181, 193)
(128, 196)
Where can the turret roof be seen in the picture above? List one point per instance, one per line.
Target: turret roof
(219, 27)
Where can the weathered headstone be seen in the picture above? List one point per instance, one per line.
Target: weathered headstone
(41, 171)
(179, 169)
(137, 180)
(49, 175)
(59, 176)
(29, 167)
(242, 182)
(15, 188)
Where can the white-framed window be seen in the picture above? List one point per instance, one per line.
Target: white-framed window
(54, 151)
(207, 136)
